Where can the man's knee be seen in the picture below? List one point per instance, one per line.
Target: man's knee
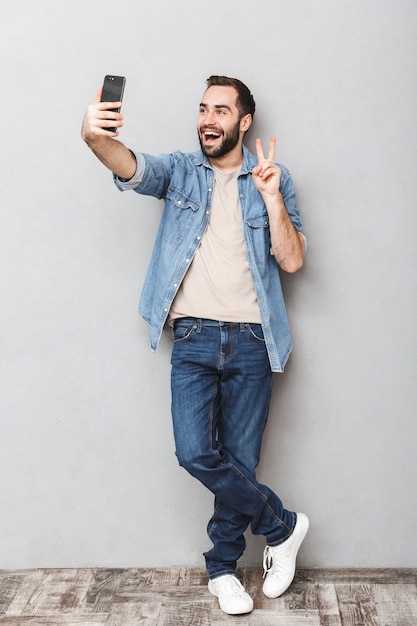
(195, 462)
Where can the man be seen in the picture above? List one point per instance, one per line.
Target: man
(229, 221)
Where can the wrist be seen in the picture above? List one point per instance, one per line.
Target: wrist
(274, 201)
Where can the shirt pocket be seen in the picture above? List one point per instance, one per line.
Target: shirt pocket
(259, 236)
(180, 211)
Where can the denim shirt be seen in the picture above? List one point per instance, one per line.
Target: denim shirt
(186, 183)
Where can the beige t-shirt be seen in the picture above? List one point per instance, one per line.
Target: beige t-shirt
(218, 284)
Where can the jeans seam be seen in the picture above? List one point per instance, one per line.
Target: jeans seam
(211, 434)
(214, 523)
(263, 496)
(274, 544)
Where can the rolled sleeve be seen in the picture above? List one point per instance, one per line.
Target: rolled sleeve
(135, 181)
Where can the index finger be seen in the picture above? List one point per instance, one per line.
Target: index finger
(98, 95)
(105, 105)
(259, 151)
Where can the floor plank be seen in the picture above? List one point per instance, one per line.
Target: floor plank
(268, 618)
(396, 605)
(134, 613)
(30, 581)
(358, 575)
(54, 620)
(328, 605)
(186, 613)
(100, 594)
(9, 589)
(356, 605)
(59, 591)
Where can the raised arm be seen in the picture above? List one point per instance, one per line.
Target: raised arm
(112, 153)
(286, 242)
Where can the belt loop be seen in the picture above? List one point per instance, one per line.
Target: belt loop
(242, 327)
(197, 324)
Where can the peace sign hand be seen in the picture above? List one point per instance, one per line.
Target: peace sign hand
(266, 175)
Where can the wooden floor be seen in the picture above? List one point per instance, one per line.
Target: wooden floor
(179, 597)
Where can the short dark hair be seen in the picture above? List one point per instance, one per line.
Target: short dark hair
(245, 102)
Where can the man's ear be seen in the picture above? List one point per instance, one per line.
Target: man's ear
(245, 122)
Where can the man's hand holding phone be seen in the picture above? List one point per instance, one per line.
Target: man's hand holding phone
(103, 117)
(101, 124)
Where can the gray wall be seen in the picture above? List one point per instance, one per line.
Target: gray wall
(87, 466)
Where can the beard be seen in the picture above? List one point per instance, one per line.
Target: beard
(229, 141)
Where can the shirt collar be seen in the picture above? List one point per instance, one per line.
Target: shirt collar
(248, 162)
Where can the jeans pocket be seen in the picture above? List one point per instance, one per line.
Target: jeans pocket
(182, 331)
(256, 332)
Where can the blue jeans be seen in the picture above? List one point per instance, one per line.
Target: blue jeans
(221, 388)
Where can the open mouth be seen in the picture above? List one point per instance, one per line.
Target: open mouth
(210, 136)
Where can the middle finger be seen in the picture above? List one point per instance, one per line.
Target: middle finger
(271, 151)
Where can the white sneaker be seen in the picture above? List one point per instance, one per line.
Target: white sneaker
(232, 596)
(279, 561)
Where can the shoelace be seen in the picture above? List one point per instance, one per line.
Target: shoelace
(273, 565)
(268, 561)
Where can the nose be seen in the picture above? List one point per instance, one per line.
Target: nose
(208, 118)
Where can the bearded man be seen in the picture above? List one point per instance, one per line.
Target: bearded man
(229, 222)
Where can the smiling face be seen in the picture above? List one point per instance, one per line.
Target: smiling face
(220, 125)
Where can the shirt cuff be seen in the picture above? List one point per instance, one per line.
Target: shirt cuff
(137, 177)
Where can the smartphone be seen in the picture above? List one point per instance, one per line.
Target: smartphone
(113, 88)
